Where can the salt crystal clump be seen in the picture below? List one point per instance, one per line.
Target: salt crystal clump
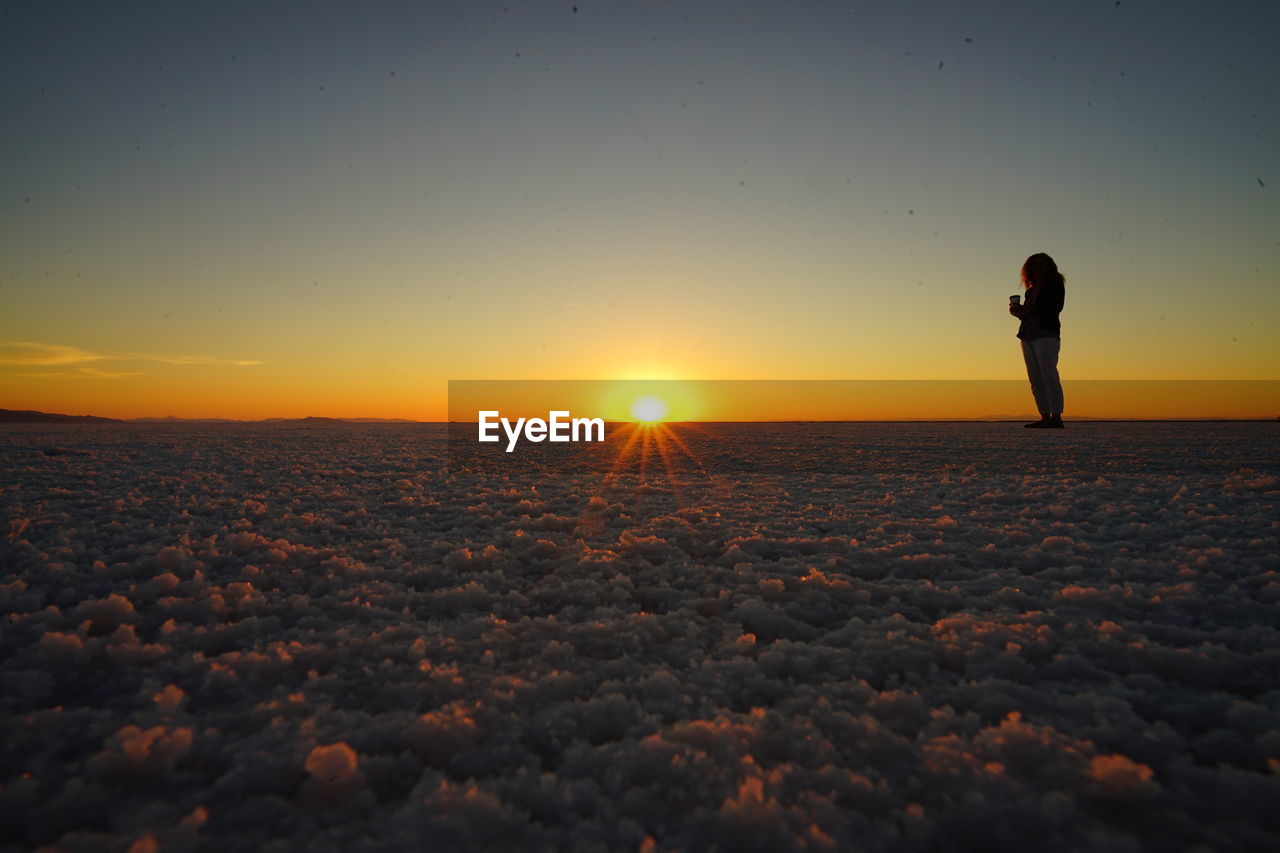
(439, 734)
(1117, 777)
(59, 648)
(171, 558)
(106, 614)
(170, 698)
(335, 775)
(135, 752)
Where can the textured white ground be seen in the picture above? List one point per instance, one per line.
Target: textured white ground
(915, 637)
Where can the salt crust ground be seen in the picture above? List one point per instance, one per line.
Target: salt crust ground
(857, 637)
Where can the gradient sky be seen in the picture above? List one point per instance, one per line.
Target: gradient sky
(280, 209)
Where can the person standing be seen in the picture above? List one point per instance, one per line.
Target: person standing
(1041, 335)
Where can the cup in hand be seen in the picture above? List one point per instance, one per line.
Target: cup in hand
(1016, 299)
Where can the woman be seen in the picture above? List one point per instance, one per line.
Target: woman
(1041, 335)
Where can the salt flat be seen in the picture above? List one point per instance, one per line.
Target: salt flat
(795, 636)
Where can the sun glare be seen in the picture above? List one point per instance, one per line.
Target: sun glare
(649, 410)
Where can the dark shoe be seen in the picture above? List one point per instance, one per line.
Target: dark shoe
(1040, 424)
(1054, 422)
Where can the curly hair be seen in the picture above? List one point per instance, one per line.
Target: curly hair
(1041, 269)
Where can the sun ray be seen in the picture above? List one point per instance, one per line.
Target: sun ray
(628, 448)
(668, 432)
(647, 442)
(645, 449)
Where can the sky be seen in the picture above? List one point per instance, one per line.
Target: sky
(286, 209)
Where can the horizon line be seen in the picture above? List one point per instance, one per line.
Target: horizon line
(57, 417)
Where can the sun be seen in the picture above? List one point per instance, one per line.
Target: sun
(649, 410)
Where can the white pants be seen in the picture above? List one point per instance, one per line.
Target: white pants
(1041, 356)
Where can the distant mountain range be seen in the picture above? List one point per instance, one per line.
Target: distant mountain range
(28, 416)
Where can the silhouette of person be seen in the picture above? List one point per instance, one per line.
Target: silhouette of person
(1041, 335)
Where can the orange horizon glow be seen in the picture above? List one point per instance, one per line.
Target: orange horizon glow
(690, 400)
(196, 391)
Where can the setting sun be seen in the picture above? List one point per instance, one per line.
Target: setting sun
(648, 409)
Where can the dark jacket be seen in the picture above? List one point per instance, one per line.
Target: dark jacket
(1040, 312)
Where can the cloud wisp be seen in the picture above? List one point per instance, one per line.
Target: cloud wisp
(79, 373)
(32, 354)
